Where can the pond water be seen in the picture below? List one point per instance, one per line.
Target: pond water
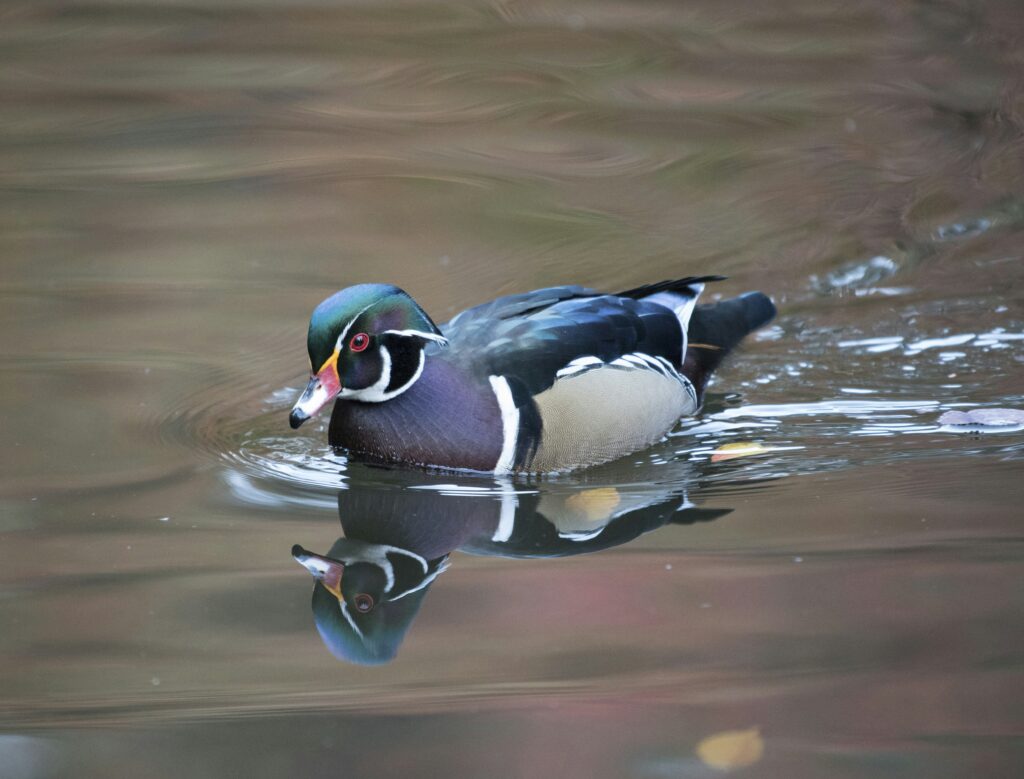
(181, 183)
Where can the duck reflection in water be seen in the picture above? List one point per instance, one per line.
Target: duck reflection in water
(397, 541)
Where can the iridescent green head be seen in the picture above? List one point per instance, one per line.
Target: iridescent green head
(365, 343)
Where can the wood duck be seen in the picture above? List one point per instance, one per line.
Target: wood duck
(550, 380)
(372, 582)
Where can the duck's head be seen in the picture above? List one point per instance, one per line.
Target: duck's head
(365, 343)
(366, 596)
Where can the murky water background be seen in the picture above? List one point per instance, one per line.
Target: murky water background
(180, 184)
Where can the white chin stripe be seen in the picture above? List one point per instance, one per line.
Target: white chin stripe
(377, 392)
(509, 423)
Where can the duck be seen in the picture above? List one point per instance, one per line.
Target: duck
(547, 381)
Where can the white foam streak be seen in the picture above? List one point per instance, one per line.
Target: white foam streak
(828, 407)
(932, 343)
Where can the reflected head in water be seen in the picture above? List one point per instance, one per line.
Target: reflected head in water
(372, 582)
(366, 596)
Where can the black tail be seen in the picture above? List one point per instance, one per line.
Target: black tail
(717, 328)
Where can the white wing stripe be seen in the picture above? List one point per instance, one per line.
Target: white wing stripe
(585, 361)
(632, 361)
(570, 371)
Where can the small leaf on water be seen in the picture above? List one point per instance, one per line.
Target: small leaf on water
(731, 749)
(743, 449)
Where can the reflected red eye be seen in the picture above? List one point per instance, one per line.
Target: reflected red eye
(363, 602)
(359, 342)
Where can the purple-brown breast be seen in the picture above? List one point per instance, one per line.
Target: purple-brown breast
(448, 418)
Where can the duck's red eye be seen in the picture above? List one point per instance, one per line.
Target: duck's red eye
(359, 342)
(363, 602)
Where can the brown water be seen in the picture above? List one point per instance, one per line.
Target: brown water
(181, 183)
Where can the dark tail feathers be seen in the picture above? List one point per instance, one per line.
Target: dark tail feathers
(715, 329)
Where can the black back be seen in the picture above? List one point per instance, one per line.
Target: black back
(531, 340)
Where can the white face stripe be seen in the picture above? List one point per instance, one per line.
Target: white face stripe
(509, 423)
(419, 334)
(340, 343)
(348, 618)
(377, 554)
(379, 557)
(377, 388)
(415, 376)
(426, 580)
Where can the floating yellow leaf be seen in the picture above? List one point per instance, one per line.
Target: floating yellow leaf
(731, 749)
(594, 504)
(744, 449)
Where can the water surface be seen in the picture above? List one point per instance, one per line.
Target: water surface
(181, 184)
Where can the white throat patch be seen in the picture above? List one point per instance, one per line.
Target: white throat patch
(377, 392)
